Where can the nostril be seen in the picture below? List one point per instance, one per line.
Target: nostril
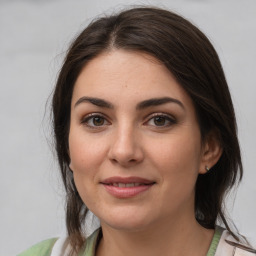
(124, 162)
(125, 154)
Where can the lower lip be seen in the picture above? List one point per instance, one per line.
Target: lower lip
(126, 192)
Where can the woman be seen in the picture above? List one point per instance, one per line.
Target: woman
(146, 140)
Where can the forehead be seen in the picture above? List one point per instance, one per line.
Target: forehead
(128, 77)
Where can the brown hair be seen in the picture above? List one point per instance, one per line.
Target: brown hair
(191, 58)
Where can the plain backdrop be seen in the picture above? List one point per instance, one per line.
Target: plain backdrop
(34, 36)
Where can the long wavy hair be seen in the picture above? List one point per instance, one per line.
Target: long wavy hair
(192, 60)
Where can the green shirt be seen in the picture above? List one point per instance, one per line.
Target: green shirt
(44, 248)
(215, 241)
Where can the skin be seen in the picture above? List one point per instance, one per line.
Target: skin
(160, 143)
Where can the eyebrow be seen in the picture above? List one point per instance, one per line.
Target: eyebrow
(158, 101)
(95, 101)
(142, 105)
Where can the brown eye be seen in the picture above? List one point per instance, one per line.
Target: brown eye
(94, 121)
(98, 121)
(159, 121)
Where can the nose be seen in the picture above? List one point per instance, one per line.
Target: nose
(126, 148)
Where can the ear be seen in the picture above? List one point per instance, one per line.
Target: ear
(211, 152)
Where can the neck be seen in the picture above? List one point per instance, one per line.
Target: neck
(172, 238)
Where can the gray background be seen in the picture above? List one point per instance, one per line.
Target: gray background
(33, 39)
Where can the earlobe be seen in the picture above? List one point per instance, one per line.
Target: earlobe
(211, 153)
(207, 168)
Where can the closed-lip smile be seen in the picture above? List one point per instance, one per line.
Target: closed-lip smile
(126, 187)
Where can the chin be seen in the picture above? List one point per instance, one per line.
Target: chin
(128, 227)
(131, 223)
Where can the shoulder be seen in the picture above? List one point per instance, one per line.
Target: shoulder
(228, 245)
(43, 248)
(61, 246)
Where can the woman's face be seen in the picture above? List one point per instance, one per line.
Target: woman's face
(134, 141)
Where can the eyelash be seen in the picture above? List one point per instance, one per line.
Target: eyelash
(165, 117)
(91, 117)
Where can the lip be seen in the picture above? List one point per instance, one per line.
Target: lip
(142, 186)
(132, 179)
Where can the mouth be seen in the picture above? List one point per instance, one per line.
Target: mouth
(126, 185)
(121, 187)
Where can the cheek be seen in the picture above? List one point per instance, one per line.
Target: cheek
(86, 158)
(177, 157)
(85, 153)
(177, 165)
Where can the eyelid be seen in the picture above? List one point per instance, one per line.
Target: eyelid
(88, 117)
(168, 117)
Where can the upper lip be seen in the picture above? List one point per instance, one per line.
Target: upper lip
(126, 180)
